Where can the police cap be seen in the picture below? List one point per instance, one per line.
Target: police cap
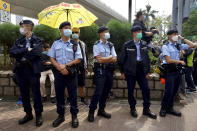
(171, 31)
(66, 23)
(136, 28)
(26, 22)
(102, 28)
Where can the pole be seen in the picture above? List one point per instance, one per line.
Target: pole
(174, 13)
(67, 11)
(130, 11)
(180, 16)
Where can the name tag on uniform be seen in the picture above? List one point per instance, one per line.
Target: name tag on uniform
(130, 49)
(34, 45)
(21, 46)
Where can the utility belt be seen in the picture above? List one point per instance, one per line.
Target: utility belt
(23, 64)
(104, 66)
(139, 63)
(169, 68)
(72, 70)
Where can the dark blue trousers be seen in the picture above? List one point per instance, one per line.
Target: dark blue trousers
(104, 83)
(171, 89)
(143, 83)
(27, 79)
(62, 81)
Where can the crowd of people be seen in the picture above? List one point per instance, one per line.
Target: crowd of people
(66, 64)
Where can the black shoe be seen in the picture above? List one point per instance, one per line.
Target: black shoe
(134, 113)
(104, 114)
(58, 121)
(192, 90)
(28, 117)
(162, 112)
(84, 101)
(44, 99)
(75, 122)
(39, 120)
(91, 116)
(53, 100)
(147, 112)
(173, 112)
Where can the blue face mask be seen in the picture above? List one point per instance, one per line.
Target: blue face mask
(107, 36)
(139, 36)
(75, 36)
(67, 32)
(144, 18)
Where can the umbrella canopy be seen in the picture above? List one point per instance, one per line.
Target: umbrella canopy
(76, 14)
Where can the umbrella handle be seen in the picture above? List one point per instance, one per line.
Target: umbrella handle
(67, 11)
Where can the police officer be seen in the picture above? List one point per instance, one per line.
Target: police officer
(65, 55)
(27, 52)
(139, 21)
(171, 53)
(105, 56)
(134, 65)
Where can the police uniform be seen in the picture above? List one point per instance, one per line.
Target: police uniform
(27, 69)
(63, 53)
(134, 62)
(103, 76)
(172, 76)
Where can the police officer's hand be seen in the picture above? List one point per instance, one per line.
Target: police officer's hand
(148, 76)
(69, 64)
(47, 63)
(64, 72)
(123, 76)
(182, 63)
(60, 67)
(180, 37)
(149, 33)
(29, 49)
(86, 71)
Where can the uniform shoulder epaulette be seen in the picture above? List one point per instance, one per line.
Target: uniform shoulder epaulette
(111, 44)
(166, 43)
(96, 42)
(20, 38)
(73, 42)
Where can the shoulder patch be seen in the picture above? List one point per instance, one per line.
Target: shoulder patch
(111, 45)
(96, 42)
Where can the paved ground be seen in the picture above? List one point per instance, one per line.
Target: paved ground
(121, 119)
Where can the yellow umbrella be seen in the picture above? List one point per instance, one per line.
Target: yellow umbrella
(76, 14)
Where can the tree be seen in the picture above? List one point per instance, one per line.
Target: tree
(163, 23)
(149, 14)
(9, 34)
(190, 26)
(120, 33)
(46, 33)
(89, 35)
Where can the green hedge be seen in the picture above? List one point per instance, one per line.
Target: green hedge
(120, 33)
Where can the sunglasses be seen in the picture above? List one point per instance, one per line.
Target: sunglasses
(75, 32)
